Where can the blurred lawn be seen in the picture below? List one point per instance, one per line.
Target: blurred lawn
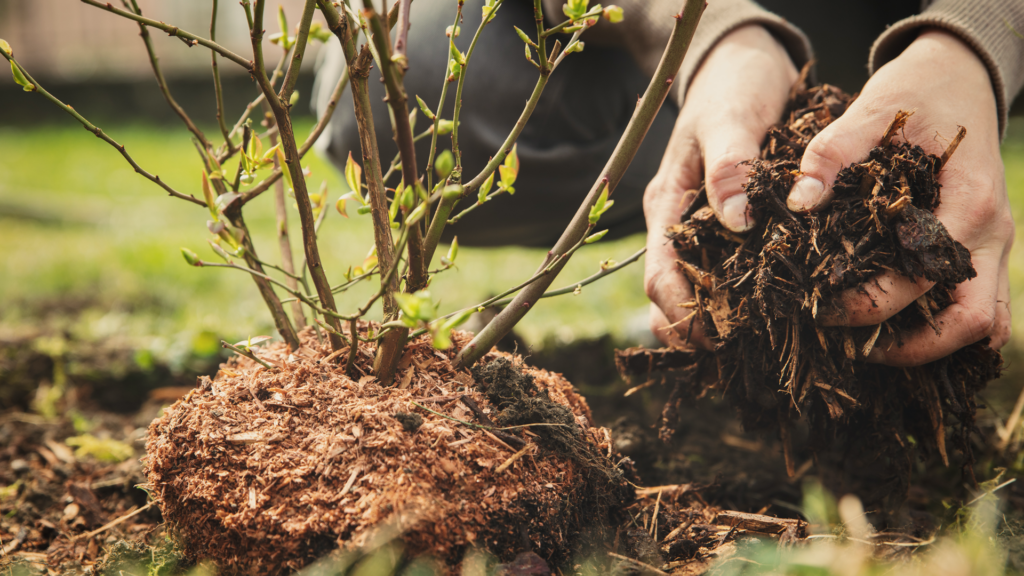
(115, 252)
(112, 250)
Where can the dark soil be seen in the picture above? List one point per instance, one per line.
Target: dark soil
(759, 297)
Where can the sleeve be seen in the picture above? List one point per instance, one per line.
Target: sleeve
(993, 28)
(648, 25)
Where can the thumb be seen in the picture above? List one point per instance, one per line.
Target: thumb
(847, 140)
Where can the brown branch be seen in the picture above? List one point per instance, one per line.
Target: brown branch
(389, 350)
(154, 62)
(402, 35)
(218, 88)
(643, 116)
(285, 244)
(398, 101)
(294, 167)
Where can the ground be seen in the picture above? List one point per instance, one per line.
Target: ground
(104, 321)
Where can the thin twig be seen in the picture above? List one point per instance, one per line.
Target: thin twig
(103, 136)
(114, 522)
(191, 39)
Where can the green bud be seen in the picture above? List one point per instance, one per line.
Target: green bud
(444, 164)
(452, 192)
(453, 33)
(407, 195)
(522, 36)
(319, 32)
(354, 176)
(294, 98)
(425, 109)
(576, 46)
(364, 210)
(612, 13)
(282, 21)
(413, 116)
(6, 48)
(445, 127)
(595, 237)
(191, 257)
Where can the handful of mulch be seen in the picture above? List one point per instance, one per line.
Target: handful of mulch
(760, 295)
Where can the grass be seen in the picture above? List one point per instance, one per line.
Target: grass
(99, 237)
(84, 232)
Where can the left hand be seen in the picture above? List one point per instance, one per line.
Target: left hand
(944, 82)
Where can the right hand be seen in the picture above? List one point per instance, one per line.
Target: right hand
(739, 92)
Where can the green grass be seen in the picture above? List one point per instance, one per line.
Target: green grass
(116, 253)
(118, 250)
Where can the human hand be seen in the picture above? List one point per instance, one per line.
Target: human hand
(945, 83)
(739, 91)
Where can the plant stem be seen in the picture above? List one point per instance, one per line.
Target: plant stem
(398, 101)
(216, 81)
(353, 336)
(437, 115)
(314, 135)
(190, 38)
(284, 243)
(247, 353)
(643, 116)
(298, 53)
(444, 209)
(273, 302)
(103, 136)
(402, 36)
(389, 351)
(294, 167)
(154, 61)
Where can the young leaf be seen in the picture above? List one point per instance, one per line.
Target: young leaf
(6, 48)
(293, 98)
(354, 177)
(445, 126)
(282, 21)
(20, 78)
(453, 33)
(285, 171)
(211, 199)
(576, 46)
(509, 170)
(485, 189)
(595, 237)
(453, 252)
(417, 214)
(526, 39)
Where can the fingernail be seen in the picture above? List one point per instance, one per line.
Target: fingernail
(806, 194)
(734, 214)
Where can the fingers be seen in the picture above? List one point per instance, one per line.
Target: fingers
(724, 148)
(847, 140)
(876, 300)
(981, 310)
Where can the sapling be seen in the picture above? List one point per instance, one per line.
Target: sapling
(409, 215)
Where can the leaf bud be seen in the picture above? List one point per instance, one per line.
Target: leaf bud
(294, 98)
(444, 164)
(6, 48)
(612, 13)
(445, 127)
(452, 192)
(191, 257)
(595, 237)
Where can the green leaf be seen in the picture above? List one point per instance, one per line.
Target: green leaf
(282, 22)
(453, 250)
(485, 188)
(211, 199)
(600, 206)
(416, 306)
(417, 214)
(575, 9)
(457, 56)
(191, 257)
(442, 338)
(509, 170)
(354, 177)
(20, 78)
(319, 32)
(285, 171)
(459, 319)
(425, 109)
(444, 164)
(595, 237)
(576, 46)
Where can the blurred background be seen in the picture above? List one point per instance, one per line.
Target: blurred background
(91, 251)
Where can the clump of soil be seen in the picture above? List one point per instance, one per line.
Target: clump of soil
(265, 470)
(760, 295)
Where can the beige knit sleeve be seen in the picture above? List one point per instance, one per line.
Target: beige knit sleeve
(648, 24)
(993, 28)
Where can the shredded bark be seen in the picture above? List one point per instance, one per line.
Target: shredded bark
(760, 297)
(265, 470)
